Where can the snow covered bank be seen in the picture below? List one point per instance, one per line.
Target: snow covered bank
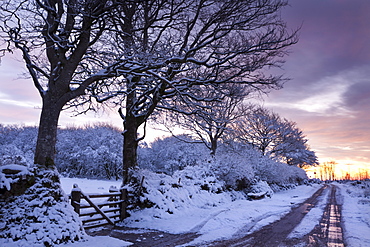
(42, 216)
(88, 185)
(101, 241)
(5, 181)
(223, 219)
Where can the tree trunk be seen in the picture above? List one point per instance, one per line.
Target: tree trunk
(130, 145)
(213, 146)
(47, 134)
(131, 125)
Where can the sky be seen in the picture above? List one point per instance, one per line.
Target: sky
(328, 95)
(329, 91)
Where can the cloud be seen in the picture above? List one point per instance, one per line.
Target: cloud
(338, 94)
(333, 112)
(15, 114)
(334, 37)
(19, 100)
(19, 103)
(357, 97)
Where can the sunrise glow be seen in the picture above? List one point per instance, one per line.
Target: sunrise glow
(333, 170)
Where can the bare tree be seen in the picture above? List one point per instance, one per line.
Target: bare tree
(207, 120)
(261, 128)
(292, 148)
(63, 48)
(171, 47)
(327, 170)
(275, 137)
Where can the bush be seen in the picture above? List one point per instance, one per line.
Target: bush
(92, 152)
(171, 154)
(40, 215)
(234, 169)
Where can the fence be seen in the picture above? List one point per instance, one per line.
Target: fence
(99, 209)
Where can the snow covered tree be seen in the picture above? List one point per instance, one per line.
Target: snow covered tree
(170, 154)
(63, 44)
(88, 151)
(275, 137)
(292, 148)
(260, 127)
(171, 47)
(17, 144)
(161, 48)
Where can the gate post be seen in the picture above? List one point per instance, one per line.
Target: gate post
(113, 189)
(76, 198)
(123, 204)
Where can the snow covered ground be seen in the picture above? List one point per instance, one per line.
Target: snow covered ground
(216, 218)
(224, 218)
(356, 212)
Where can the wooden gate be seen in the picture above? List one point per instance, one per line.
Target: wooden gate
(99, 209)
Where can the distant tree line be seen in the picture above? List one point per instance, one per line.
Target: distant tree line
(329, 170)
(95, 153)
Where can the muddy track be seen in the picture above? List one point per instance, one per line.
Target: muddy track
(328, 231)
(275, 233)
(145, 237)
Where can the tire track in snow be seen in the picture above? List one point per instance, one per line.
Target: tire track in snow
(329, 232)
(203, 223)
(275, 233)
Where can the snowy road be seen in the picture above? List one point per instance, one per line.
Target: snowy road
(314, 215)
(327, 233)
(276, 233)
(328, 230)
